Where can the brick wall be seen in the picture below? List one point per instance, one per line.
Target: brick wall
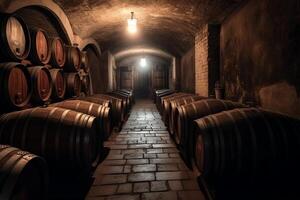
(207, 44)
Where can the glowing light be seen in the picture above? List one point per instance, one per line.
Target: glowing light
(143, 62)
(132, 24)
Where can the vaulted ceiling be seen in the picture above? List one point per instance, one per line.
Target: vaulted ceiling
(169, 25)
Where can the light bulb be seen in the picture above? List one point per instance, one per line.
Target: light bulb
(132, 28)
(143, 62)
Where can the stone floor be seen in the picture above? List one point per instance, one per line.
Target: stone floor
(143, 162)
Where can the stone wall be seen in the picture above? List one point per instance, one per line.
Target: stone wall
(260, 48)
(187, 73)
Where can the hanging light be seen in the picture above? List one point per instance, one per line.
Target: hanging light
(132, 23)
(143, 62)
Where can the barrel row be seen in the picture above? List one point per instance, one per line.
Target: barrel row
(179, 110)
(228, 143)
(20, 85)
(121, 102)
(69, 135)
(247, 148)
(18, 42)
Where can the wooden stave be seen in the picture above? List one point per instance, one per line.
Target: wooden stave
(70, 66)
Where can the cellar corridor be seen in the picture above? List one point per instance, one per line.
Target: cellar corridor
(143, 162)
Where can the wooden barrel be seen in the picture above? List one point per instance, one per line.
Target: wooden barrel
(103, 102)
(160, 95)
(163, 98)
(14, 39)
(23, 175)
(190, 112)
(73, 59)
(15, 86)
(102, 114)
(73, 84)
(40, 52)
(180, 102)
(86, 83)
(157, 92)
(58, 84)
(85, 62)
(166, 107)
(128, 93)
(65, 138)
(58, 55)
(247, 145)
(124, 97)
(41, 84)
(118, 110)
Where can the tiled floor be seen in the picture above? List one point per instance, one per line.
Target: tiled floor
(143, 162)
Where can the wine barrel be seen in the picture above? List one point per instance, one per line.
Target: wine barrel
(85, 62)
(185, 115)
(158, 95)
(40, 47)
(125, 98)
(65, 138)
(58, 55)
(14, 39)
(118, 110)
(248, 144)
(73, 59)
(41, 84)
(23, 175)
(162, 99)
(166, 107)
(58, 84)
(128, 93)
(85, 82)
(102, 114)
(73, 84)
(15, 86)
(180, 102)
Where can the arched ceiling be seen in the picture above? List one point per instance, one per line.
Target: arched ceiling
(169, 25)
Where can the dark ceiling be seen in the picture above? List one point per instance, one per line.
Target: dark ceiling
(166, 24)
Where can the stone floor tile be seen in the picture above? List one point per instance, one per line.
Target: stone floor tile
(171, 175)
(159, 196)
(141, 187)
(158, 186)
(140, 177)
(124, 188)
(144, 168)
(137, 161)
(167, 167)
(134, 156)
